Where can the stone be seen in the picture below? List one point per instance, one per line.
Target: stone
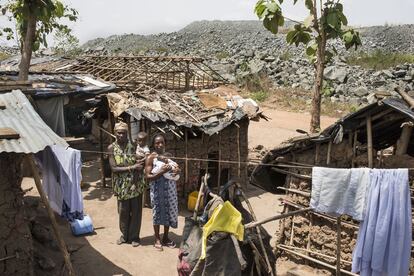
(257, 67)
(400, 73)
(360, 91)
(45, 263)
(371, 98)
(387, 73)
(41, 233)
(269, 59)
(336, 74)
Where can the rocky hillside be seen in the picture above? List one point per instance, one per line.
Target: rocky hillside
(240, 49)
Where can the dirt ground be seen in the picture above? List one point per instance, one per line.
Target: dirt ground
(98, 254)
(281, 126)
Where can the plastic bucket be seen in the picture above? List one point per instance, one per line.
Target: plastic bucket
(81, 227)
(192, 200)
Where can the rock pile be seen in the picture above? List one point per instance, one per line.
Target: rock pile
(239, 49)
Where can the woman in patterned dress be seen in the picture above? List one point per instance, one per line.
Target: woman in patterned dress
(163, 192)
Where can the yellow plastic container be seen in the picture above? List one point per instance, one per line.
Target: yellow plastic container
(192, 200)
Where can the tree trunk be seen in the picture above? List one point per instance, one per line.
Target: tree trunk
(27, 48)
(15, 236)
(315, 125)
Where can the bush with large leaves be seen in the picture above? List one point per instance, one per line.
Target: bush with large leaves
(326, 20)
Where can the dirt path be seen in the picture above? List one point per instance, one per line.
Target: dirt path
(282, 126)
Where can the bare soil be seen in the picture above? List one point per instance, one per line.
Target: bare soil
(281, 126)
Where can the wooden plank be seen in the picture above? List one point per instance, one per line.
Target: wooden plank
(8, 133)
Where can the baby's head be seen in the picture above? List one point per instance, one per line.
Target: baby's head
(164, 157)
(142, 138)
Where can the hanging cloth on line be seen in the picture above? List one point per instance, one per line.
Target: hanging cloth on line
(383, 246)
(340, 191)
(61, 173)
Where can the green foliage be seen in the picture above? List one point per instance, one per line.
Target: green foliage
(48, 14)
(3, 56)
(222, 55)
(379, 60)
(286, 55)
(271, 14)
(327, 88)
(313, 31)
(66, 43)
(259, 96)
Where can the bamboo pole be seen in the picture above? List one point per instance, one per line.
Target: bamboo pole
(203, 184)
(338, 246)
(404, 141)
(277, 217)
(101, 148)
(369, 141)
(295, 191)
(306, 177)
(315, 260)
(259, 232)
(186, 162)
(60, 241)
(219, 164)
(313, 253)
(238, 151)
(317, 153)
(354, 145)
(328, 154)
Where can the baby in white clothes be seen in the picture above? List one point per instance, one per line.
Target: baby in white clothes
(161, 160)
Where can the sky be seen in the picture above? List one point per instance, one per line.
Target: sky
(102, 18)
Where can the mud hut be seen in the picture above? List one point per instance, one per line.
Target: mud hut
(377, 136)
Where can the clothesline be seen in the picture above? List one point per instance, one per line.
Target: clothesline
(286, 165)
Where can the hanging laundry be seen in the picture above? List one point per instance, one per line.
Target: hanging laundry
(384, 239)
(340, 191)
(61, 172)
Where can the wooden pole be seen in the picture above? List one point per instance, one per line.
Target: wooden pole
(238, 151)
(277, 217)
(404, 141)
(203, 184)
(311, 252)
(219, 164)
(259, 232)
(101, 148)
(59, 239)
(338, 246)
(369, 142)
(315, 260)
(406, 97)
(317, 153)
(186, 162)
(328, 154)
(354, 150)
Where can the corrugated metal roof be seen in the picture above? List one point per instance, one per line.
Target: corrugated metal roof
(51, 85)
(20, 115)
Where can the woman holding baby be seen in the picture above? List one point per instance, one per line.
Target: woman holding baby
(162, 173)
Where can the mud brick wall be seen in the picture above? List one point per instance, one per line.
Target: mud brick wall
(202, 146)
(316, 233)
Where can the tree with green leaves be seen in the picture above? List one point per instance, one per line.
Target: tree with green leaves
(66, 43)
(326, 21)
(35, 19)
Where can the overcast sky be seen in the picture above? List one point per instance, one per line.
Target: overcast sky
(101, 18)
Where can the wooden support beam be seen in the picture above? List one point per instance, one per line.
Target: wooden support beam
(338, 246)
(8, 133)
(59, 239)
(369, 142)
(315, 260)
(219, 163)
(186, 162)
(404, 141)
(259, 232)
(277, 217)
